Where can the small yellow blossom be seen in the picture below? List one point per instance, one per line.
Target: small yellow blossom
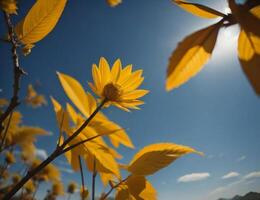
(9, 6)
(114, 3)
(57, 189)
(29, 186)
(118, 86)
(84, 193)
(33, 98)
(15, 178)
(9, 158)
(72, 187)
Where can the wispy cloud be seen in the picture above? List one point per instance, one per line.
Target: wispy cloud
(230, 175)
(252, 175)
(241, 158)
(66, 170)
(244, 180)
(41, 154)
(193, 177)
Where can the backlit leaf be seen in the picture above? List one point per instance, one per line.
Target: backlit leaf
(191, 55)
(40, 20)
(140, 188)
(249, 54)
(156, 156)
(75, 92)
(248, 21)
(199, 10)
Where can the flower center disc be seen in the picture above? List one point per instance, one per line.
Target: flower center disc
(111, 92)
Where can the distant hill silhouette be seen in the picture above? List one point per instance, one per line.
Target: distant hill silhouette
(248, 196)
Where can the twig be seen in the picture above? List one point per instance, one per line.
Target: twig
(82, 175)
(17, 71)
(57, 152)
(5, 133)
(61, 125)
(94, 174)
(113, 187)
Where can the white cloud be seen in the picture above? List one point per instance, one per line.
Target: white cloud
(230, 175)
(66, 170)
(193, 177)
(252, 175)
(41, 153)
(241, 158)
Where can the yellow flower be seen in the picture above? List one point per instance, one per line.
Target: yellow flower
(118, 86)
(72, 187)
(29, 186)
(49, 173)
(9, 158)
(33, 98)
(16, 178)
(114, 3)
(9, 6)
(84, 193)
(57, 188)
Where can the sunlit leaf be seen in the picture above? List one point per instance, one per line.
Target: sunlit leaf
(249, 54)
(105, 162)
(116, 134)
(199, 10)
(61, 116)
(136, 188)
(140, 188)
(75, 92)
(191, 55)
(248, 21)
(40, 20)
(156, 156)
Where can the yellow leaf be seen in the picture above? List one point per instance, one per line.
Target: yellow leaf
(40, 20)
(140, 188)
(199, 10)
(116, 134)
(106, 177)
(191, 55)
(156, 156)
(247, 20)
(75, 92)
(105, 162)
(122, 193)
(249, 54)
(136, 188)
(61, 116)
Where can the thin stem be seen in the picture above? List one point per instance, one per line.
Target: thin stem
(94, 174)
(5, 133)
(17, 71)
(60, 133)
(57, 152)
(81, 174)
(112, 188)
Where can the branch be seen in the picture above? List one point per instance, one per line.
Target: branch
(94, 174)
(112, 188)
(17, 70)
(56, 153)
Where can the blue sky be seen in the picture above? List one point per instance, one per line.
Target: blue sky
(216, 112)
